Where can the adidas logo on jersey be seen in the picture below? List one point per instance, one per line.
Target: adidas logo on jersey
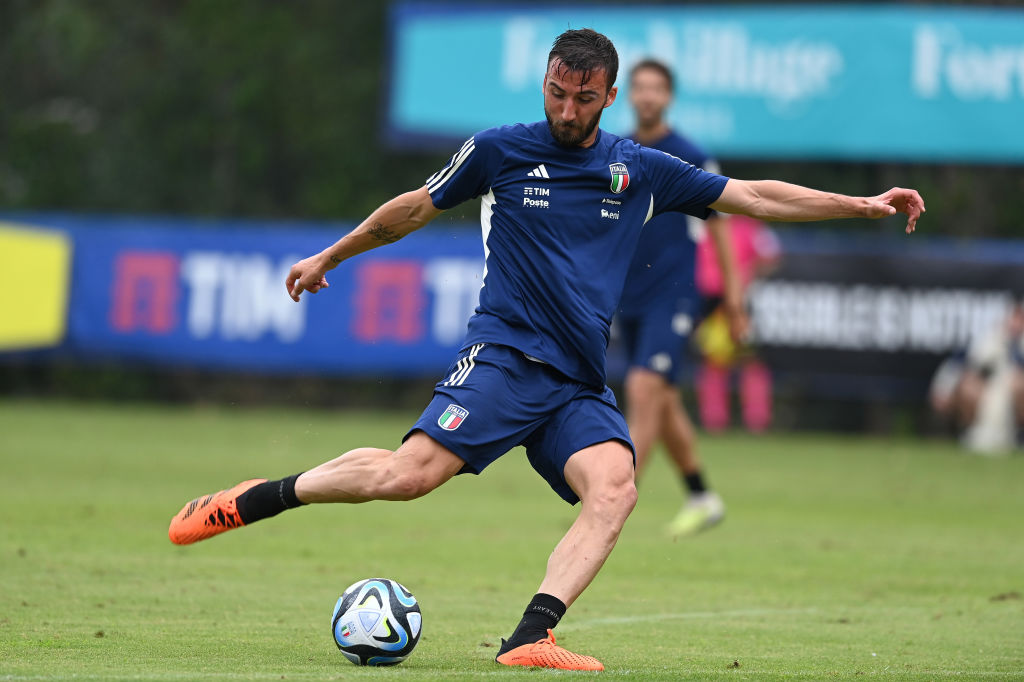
(539, 172)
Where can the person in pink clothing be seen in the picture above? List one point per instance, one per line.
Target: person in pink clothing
(756, 252)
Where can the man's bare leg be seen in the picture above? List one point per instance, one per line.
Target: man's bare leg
(678, 434)
(602, 476)
(420, 465)
(704, 507)
(645, 411)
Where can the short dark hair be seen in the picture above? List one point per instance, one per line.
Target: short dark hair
(654, 65)
(585, 50)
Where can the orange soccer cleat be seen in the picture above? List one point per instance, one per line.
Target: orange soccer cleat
(211, 515)
(546, 654)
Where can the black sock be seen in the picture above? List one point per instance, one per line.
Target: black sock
(694, 483)
(542, 614)
(268, 499)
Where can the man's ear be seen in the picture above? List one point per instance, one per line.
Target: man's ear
(610, 97)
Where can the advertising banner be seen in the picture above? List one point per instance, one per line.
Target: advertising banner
(180, 292)
(857, 314)
(871, 82)
(871, 316)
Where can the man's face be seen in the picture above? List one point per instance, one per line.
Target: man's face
(650, 96)
(573, 108)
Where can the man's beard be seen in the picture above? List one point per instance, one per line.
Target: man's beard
(571, 134)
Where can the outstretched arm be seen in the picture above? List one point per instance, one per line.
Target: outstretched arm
(389, 223)
(781, 201)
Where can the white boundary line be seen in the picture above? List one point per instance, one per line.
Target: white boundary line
(683, 615)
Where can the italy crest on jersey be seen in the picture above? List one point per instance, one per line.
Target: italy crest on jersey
(620, 177)
(452, 417)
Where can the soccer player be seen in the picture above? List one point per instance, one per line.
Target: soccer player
(660, 306)
(562, 206)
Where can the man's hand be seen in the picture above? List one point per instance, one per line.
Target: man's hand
(307, 275)
(897, 200)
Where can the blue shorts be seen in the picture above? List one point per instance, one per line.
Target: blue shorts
(494, 398)
(657, 339)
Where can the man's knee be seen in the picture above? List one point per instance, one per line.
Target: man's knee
(419, 466)
(614, 497)
(644, 388)
(409, 485)
(611, 506)
(621, 497)
(602, 476)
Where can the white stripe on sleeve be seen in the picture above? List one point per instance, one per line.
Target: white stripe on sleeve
(453, 166)
(450, 161)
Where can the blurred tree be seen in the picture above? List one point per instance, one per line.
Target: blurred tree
(235, 107)
(270, 109)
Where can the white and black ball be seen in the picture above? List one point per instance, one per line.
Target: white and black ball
(376, 622)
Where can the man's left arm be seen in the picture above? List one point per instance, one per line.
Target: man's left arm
(773, 200)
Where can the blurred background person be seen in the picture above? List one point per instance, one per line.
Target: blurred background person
(987, 400)
(944, 391)
(659, 309)
(756, 251)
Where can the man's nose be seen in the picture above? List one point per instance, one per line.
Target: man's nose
(569, 110)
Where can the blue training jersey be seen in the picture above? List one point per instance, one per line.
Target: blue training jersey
(560, 226)
(663, 268)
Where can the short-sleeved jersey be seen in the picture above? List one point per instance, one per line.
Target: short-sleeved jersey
(664, 264)
(560, 226)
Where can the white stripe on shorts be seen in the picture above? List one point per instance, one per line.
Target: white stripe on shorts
(464, 367)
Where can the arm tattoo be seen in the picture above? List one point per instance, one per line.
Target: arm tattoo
(383, 234)
(335, 259)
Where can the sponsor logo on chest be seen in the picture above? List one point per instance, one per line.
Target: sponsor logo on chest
(533, 197)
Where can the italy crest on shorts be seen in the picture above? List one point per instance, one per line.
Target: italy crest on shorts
(452, 417)
(620, 177)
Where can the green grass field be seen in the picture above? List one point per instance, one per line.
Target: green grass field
(841, 557)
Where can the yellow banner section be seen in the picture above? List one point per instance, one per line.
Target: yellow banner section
(35, 269)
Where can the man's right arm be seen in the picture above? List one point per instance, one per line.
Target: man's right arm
(402, 215)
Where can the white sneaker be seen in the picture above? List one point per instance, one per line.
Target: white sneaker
(699, 513)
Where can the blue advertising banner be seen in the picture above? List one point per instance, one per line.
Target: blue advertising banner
(859, 314)
(180, 292)
(801, 81)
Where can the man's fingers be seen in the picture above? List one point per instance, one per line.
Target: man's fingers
(881, 209)
(918, 201)
(295, 286)
(899, 200)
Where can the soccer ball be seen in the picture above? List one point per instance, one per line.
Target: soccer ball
(376, 622)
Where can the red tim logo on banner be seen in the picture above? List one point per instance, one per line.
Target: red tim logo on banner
(389, 302)
(145, 291)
